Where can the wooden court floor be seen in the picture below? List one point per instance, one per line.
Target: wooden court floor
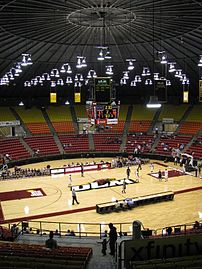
(185, 208)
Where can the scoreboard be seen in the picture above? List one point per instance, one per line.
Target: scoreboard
(102, 89)
(105, 114)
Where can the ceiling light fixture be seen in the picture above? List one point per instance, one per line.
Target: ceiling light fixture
(200, 61)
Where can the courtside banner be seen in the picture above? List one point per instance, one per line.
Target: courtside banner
(162, 248)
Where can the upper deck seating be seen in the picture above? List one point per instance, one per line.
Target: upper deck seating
(141, 119)
(61, 118)
(193, 123)
(34, 120)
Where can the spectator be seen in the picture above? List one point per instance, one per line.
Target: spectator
(57, 232)
(14, 230)
(112, 238)
(196, 225)
(72, 233)
(169, 230)
(104, 246)
(104, 234)
(68, 233)
(51, 243)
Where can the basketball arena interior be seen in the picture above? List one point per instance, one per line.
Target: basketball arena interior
(100, 134)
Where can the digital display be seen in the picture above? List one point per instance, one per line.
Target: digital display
(106, 112)
(102, 87)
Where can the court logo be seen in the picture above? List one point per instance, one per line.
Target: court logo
(35, 193)
(171, 173)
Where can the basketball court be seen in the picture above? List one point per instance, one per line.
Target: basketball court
(48, 198)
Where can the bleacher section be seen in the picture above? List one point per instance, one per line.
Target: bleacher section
(6, 114)
(141, 119)
(141, 142)
(61, 119)
(45, 144)
(167, 143)
(107, 142)
(80, 111)
(175, 112)
(14, 148)
(193, 123)
(74, 143)
(13, 255)
(34, 120)
(196, 148)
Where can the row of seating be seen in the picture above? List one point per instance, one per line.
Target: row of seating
(102, 142)
(37, 256)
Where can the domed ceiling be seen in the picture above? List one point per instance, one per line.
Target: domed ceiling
(54, 33)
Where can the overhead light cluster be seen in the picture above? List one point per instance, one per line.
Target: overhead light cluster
(104, 53)
(178, 73)
(16, 70)
(56, 76)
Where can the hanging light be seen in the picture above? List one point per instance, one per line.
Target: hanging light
(24, 61)
(146, 71)
(168, 82)
(171, 67)
(81, 77)
(57, 74)
(94, 74)
(138, 78)
(76, 78)
(83, 62)
(53, 84)
(108, 54)
(148, 82)
(156, 76)
(27, 84)
(153, 102)
(89, 74)
(200, 61)
(21, 104)
(163, 57)
(123, 81)
(100, 56)
(109, 70)
(69, 70)
(130, 64)
(60, 82)
(79, 62)
(125, 74)
(62, 69)
(29, 60)
(133, 83)
(69, 80)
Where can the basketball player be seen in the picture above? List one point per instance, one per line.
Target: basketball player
(166, 174)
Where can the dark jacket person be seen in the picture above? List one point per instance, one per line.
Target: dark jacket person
(51, 243)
